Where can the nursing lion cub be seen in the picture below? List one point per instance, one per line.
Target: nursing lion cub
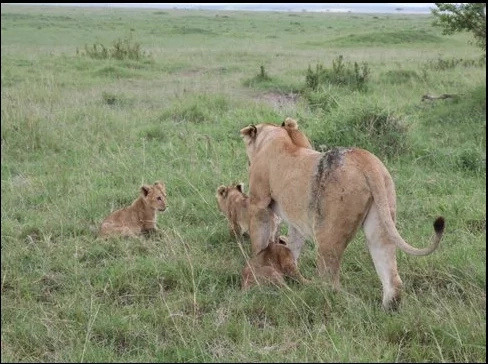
(270, 265)
(138, 218)
(325, 197)
(234, 203)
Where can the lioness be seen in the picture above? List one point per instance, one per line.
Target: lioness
(234, 203)
(270, 265)
(326, 197)
(138, 218)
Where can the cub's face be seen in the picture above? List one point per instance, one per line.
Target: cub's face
(155, 195)
(225, 192)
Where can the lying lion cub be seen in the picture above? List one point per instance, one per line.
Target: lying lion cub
(138, 218)
(234, 203)
(270, 265)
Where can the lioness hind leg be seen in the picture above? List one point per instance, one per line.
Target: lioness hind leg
(332, 236)
(330, 248)
(383, 253)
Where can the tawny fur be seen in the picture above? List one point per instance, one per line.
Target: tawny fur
(271, 265)
(138, 218)
(325, 197)
(234, 203)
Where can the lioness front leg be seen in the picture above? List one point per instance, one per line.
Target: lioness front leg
(295, 242)
(260, 228)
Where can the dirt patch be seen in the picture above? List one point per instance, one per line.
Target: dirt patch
(278, 100)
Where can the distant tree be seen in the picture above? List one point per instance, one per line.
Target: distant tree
(457, 17)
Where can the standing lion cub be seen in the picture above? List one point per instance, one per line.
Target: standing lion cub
(138, 218)
(270, 265)
(234, 203)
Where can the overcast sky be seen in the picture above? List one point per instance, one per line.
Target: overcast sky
(261, 6)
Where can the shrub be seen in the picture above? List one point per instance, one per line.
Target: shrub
(262, 76)
(343, 74)
(471, 160)
(121, 49)
(441, 64)
(365, 126)
(320, 99)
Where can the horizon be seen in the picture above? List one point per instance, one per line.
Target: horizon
(421, 8)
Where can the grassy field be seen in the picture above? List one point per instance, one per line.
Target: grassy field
(81, 130)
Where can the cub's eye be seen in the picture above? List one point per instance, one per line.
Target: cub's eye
(159, 198)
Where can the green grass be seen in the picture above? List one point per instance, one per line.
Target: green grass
(80, 135)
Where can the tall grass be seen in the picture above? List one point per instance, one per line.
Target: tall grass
(79, 135)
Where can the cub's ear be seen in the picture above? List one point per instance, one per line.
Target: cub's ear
(222, 191)
(249, 132)
(145, 190)
(160, 184)
(290, 123)
(240, 187)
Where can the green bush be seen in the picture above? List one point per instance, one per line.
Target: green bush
(443, 64)
(322, 99)
(343, 74)
(121, 49)
(471, 160)
(261, 77)
(365, 126)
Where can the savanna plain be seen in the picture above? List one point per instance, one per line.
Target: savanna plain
(96, 102)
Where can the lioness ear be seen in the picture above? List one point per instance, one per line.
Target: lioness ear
(240, 187)
(283, 240)
(290, 123)
(145, 190)
(249, 132)
(222, 191)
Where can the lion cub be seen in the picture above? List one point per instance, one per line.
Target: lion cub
(234, 203)
(270, 265)
(138, 218)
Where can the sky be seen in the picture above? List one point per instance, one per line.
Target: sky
(359, 7)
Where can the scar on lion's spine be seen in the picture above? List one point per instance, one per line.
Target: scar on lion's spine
(329, 161)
